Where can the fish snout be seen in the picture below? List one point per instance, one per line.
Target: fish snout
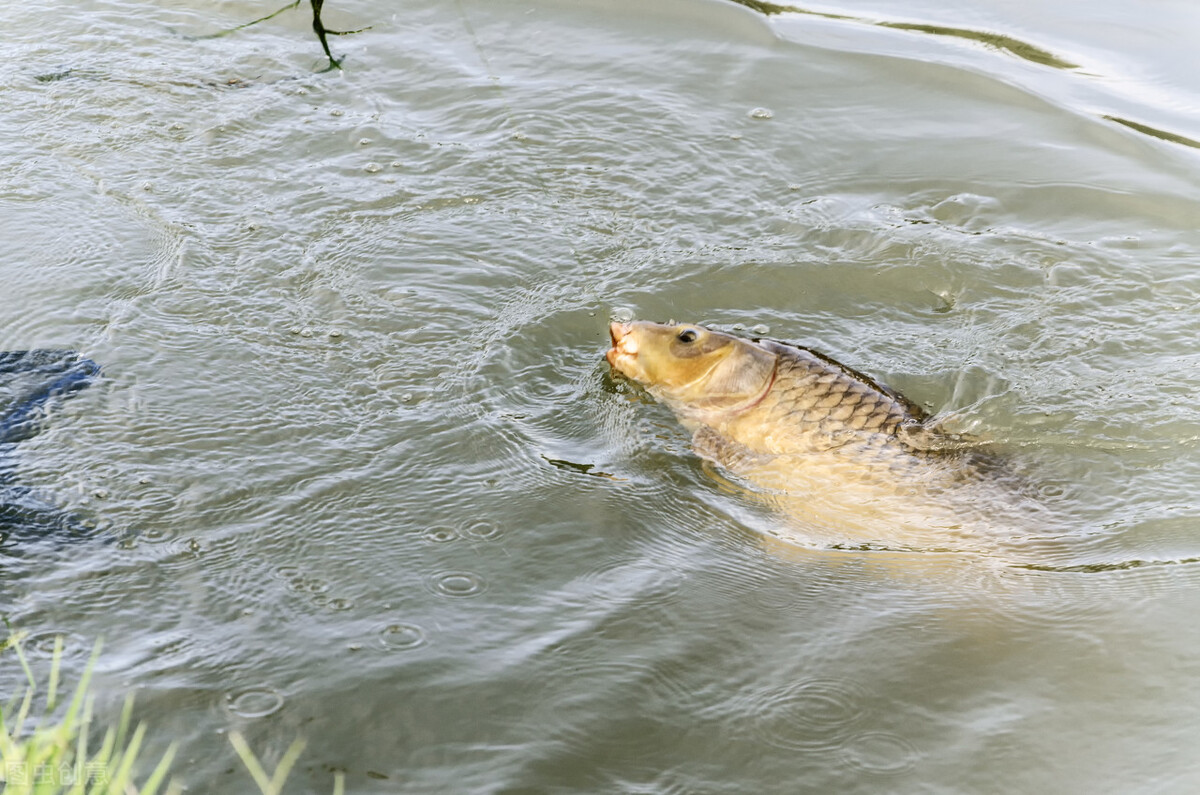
(624, 346)
(618, 331)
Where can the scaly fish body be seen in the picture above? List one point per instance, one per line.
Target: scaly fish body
(828, 445)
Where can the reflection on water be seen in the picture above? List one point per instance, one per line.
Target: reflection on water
(999, 41)
(317, 24)
(374, 486)
(1162, 135)
(1004, 43)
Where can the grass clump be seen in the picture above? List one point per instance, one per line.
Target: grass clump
(50, 755)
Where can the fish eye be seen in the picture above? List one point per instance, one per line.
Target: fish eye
(686, 336)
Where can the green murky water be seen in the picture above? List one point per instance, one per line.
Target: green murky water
(376, 488)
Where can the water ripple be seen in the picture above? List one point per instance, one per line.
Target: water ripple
(881, 753)
(815, 714)
(440, 535)
(42, 643)
(457, 584)
(254, 702)
(400, 637)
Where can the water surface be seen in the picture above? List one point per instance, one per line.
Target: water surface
(370, 482)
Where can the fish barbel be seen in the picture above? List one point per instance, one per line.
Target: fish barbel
(828, 445)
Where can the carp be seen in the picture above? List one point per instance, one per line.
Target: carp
(847, 459)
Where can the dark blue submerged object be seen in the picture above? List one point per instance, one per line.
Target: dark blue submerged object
(35, 381)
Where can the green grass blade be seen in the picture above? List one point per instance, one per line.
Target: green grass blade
(23, 713)
(285, 766)
(104, 757)
(81, 690)
(81, 747)
(55, 663)
(152, 783)
(251, 762)
(121, 779)
(123, 724)
(16, 646)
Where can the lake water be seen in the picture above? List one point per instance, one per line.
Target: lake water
(372, 485)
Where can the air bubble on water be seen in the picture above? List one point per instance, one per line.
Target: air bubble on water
(397, 164)
(337, 112)
(1051, 490)
(760, 113)
(401, 636)
(156, 535)
(335, 332)
(256, 702)
(482, 529)
(621, 314)
(364, 141)
(44, 641)
(372, 168)
(761, 328)
(440, 535)
(305, 332)
(458, 584)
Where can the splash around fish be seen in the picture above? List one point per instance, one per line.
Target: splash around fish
(844, 457)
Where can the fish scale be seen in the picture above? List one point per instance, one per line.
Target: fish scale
(815, 400)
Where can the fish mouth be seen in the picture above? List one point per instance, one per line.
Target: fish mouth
(623, 354)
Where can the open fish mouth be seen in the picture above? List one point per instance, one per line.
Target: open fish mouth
(623, 354)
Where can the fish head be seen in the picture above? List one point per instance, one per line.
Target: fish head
(692, 367)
